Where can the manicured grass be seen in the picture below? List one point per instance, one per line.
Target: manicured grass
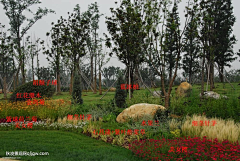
(61, 146)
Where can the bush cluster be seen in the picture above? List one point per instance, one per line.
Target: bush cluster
(44, 91)
(120, 95)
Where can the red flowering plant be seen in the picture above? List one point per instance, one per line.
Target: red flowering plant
(186, 149)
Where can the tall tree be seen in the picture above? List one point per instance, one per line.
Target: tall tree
(171, 39)
(14, 12)
(101, 62)
(5, 53)
(191, 64)
(55, 51)
(156, 15)
(93, 16)
(75, 30)
(225, 20)
(127, 33)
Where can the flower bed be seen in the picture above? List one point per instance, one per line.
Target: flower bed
(197, 149)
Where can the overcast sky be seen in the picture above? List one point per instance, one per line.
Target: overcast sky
(63, 6)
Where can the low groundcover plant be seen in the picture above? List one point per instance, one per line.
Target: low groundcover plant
(43, 125)
(197, 149)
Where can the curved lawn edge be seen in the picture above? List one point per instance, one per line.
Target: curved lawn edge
(61, 146)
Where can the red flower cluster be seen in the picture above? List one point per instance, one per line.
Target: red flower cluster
(197, 149)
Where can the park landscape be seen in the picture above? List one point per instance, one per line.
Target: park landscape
(79, 109)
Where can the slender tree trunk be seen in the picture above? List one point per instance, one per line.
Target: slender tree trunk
(58, 76)
(190, 73)
(17, 75)
(132, 82)
(58, 83)
(100, 81)
(170, 75)
(22, 71)
(221, 75)
(211, 76)
(95, 52)
(32, 69)
(202, 81)
(38, 75)
(95, 75)
(92, 71)
(71, 83)
(167, 101)
(5, 86)
(14, 77)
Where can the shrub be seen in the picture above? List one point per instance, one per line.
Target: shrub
(77, 92)
(44, 91)
(109, 117)
(120, 95)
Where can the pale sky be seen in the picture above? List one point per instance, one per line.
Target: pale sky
(63, 6)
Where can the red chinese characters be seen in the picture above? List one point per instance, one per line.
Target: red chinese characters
(29, 125)
(127, 86)
(118, 132)
(79, 117)
(178, 149)
(20, 119)
(150, 123)
(28, 95)
(203, 123)
(42, 82)
(35, 102)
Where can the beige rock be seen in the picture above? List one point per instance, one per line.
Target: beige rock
(112, 89)
(184, 89)
(138, 111)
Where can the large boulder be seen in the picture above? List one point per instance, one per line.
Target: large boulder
(211, 94)
(184, 89)
(138, 111)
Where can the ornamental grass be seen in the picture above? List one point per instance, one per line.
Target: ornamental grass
(222, 130)
(194, 149)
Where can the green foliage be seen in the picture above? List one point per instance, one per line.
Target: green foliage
(222, 108)
(192, 49)
(172, 37)
(120, 95)
(225, 39)
(109, 118)
(77, 92)
(44, 91)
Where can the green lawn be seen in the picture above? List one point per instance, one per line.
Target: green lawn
(61, 146)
